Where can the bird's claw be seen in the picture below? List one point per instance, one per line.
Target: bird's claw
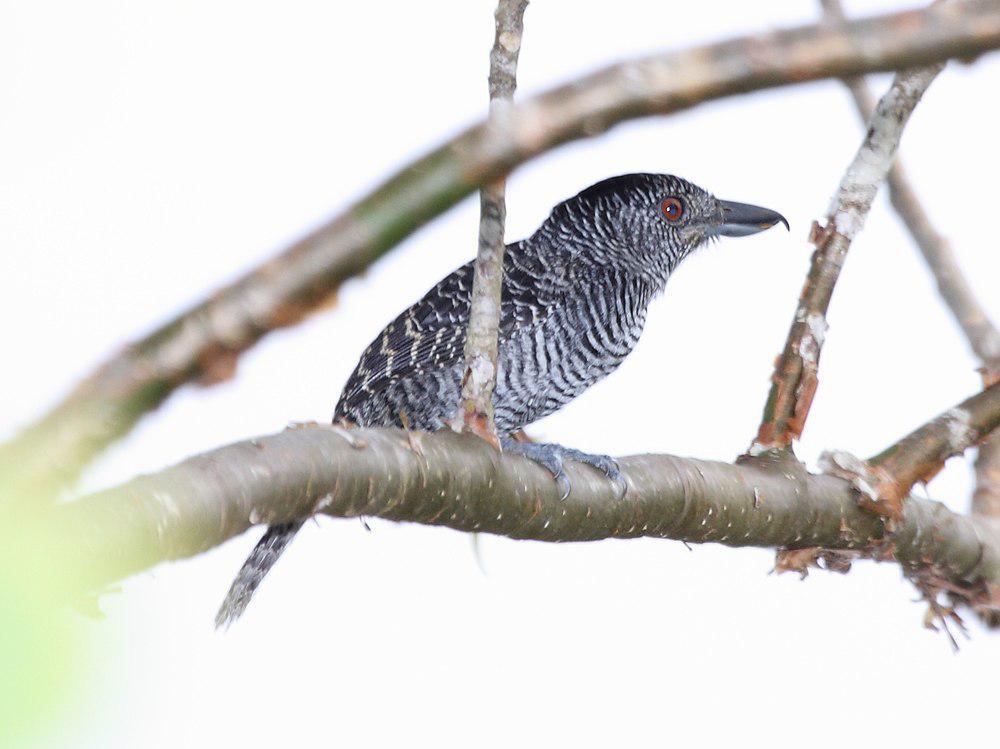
(615, 476)
(552, 457)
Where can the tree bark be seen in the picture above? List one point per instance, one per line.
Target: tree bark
(459, 481)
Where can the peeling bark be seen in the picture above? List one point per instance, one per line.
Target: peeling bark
(795, 378)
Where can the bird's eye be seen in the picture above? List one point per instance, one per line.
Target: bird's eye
(673, 209)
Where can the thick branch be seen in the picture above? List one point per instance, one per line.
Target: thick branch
(459, 481)
(795, 379)
(482, 333)
(203, 343)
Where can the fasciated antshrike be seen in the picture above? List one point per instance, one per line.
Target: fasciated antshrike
(574, 302)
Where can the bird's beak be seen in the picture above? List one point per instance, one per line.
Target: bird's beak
(741, 219)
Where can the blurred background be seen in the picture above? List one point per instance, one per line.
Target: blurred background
(152, 151)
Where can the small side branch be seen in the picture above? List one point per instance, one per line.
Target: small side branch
(795, 379)
(920, 455)
(481, 342)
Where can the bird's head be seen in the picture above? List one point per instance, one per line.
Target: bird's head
(649, 221)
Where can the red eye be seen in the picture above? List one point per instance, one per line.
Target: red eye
(673, 208)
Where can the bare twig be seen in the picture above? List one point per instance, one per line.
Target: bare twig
(981, 333)
(795, 377)
(205, 341)
(459, 481)
(481, 341)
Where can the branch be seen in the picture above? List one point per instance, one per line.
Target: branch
(482, 333)
(981, 333)
(884, 483)
(889, 476)
(921, 454)
(795, 380)
(204, 342)
(459, 481)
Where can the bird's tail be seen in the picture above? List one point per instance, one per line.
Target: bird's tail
(261, 559)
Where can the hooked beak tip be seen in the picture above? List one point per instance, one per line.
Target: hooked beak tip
(743, 219)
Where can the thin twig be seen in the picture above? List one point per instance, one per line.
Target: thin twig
(795, 379)
(954, 287)
(205, 341)
(482, 334)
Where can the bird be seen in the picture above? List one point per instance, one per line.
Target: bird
(573, 305)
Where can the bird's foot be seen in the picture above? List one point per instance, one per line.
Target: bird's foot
(552, 456)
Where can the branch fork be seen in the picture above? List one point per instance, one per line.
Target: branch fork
(982, 335)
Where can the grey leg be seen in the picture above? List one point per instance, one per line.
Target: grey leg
(552, 456)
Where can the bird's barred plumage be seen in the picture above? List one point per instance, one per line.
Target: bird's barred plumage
(551, 348)
(573, 306)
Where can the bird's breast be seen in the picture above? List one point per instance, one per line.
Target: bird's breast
(543, 367)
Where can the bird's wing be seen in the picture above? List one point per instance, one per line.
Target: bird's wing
(430, 335)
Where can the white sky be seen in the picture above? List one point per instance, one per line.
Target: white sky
(151, 151)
